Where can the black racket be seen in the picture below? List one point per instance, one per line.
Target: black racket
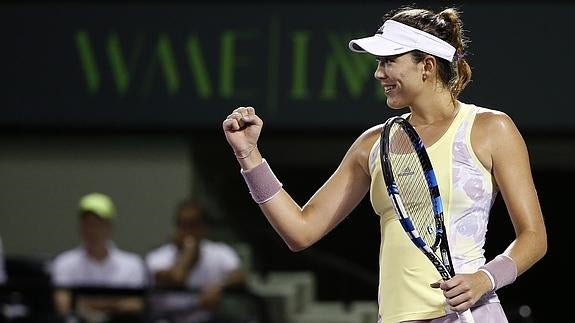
(414, 193)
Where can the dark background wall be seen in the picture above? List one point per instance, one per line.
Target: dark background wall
(75, 75)
(183, 66)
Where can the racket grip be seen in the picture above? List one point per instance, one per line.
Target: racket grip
(466, 317)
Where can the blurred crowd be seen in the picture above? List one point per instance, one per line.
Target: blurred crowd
(181, 280)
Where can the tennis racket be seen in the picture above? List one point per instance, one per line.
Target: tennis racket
(414, 193)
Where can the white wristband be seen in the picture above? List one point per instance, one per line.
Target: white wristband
(490, 278)
(502, 270)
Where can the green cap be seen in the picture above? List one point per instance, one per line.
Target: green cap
(98, 203)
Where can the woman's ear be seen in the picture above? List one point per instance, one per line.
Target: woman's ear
(429, 67)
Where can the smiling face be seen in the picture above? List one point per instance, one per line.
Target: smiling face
(401, 78)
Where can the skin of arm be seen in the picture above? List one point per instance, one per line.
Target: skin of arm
(512, 171)
(508, 160)
(63, 301)
(176, 275)
(112, 304)
(211, 295)
(300, 227)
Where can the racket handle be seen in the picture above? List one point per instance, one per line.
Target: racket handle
(466, 317)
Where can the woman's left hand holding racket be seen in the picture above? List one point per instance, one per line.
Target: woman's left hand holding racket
(464, 290)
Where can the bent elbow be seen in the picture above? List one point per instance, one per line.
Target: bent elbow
(299, 248)
(543, 247)
(296, 247)
(299, 245)
(539, 246)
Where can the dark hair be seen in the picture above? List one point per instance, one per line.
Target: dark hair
(447, 26)
(204, 217)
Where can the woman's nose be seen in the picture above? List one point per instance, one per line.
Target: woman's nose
(379, 73)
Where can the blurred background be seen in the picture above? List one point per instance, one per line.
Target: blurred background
(128, 99)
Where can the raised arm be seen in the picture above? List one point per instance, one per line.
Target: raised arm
(300, 226)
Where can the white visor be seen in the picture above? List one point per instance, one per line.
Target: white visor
(394, 38)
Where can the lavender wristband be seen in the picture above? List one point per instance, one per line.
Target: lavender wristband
(262, 182)
(502, 271)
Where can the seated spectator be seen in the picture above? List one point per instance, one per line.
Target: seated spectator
(97, 262)
(192, 262)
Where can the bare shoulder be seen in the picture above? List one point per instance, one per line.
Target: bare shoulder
(493, 132)
(374, 131)
(493, 123)
(360, 150)
(369, 136)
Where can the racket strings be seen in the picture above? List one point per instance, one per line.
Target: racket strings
(412, 185)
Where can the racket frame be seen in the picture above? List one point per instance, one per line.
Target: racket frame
(443, 264)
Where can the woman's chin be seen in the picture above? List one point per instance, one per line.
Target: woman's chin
(395, 105)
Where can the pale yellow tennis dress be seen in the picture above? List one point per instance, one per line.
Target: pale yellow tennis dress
(467, 190)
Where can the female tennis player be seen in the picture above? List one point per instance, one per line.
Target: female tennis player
(420, 65)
